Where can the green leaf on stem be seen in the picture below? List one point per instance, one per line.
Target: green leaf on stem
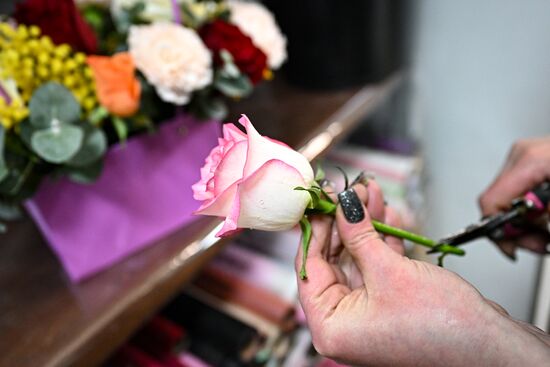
(97, 115)
(314, 196)
(305, 225)
(319, 173)
(121, 129)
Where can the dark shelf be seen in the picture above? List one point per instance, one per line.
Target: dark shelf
(45, 320)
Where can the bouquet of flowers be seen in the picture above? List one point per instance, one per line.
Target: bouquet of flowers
(76, 78)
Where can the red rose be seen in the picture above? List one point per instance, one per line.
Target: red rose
(220, 35)
(60, 20)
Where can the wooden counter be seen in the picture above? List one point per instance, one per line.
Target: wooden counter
(47, 321)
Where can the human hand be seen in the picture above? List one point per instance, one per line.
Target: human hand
(527, 165)
(390, 310)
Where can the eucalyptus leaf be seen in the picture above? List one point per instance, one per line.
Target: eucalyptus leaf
(214, 109)
(52, 103)
(9, 211)
(25, 131)
(57, 144)
(233, 87)
(229, 68)
(86, 175)
(3, 168)
(93, 147)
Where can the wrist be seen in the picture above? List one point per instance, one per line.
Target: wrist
(509, 343)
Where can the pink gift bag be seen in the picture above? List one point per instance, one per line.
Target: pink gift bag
(143, 194)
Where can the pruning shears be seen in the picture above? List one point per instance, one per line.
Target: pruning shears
(519, 219)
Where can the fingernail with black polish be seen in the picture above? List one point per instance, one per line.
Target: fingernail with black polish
(351, 206)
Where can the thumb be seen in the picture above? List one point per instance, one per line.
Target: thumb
(371, 254)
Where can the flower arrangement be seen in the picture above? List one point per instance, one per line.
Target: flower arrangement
(76, 78)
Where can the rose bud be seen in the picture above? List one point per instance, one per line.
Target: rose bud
(249, 180)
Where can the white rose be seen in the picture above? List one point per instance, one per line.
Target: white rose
(172, 58)
(258, 23)
(249, 180)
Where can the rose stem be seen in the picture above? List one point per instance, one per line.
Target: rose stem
(413, 237)
(327, 207)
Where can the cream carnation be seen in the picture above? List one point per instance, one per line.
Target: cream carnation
(258, 23)
(172, 58)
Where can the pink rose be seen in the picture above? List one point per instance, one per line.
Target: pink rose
(249, 180)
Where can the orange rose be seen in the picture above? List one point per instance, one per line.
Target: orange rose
(117, 88)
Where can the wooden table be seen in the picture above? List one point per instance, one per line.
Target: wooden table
(45, 320)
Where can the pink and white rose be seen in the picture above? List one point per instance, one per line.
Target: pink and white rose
(249, 180)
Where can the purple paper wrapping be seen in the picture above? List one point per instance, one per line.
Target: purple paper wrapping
(143, 194)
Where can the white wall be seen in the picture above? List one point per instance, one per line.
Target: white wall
(481, 76)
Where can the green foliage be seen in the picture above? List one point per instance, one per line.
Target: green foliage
(97, 115)
(205, 106)
(87, 174)
(229, 80)
(319, 173)
(305, 226)
(314, 194)
(53, 104)
(93, 147)
(130, 16)
(121, 128)
(57, 144)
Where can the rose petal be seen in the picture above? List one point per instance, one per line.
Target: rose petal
(267, 199)
(232, 132)
(261, 150)
(221, 205)
(231, 167)
(230, 224)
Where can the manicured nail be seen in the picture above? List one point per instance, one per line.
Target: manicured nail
(351, 206)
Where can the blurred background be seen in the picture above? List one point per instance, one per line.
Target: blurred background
(479, 82)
